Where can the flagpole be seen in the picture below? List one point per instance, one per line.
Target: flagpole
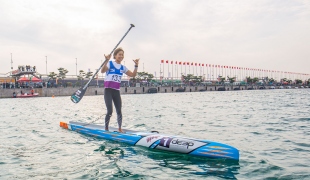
(11, 65)
(160, 70)
(164, 70)
(172, 70)
(168, 70)
(203, 72)
(181, 69)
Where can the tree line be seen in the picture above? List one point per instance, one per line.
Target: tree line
(147, 77)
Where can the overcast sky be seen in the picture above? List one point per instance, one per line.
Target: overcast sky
(264, 34)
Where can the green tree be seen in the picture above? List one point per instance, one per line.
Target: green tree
(249, 80)
(221, 79)
(52, 75)
(81, 75)
(254, 80)
(284, 80)
(142, 76)
(62, 73)
(289, 81)
(192, 78)
(88, 75)
(298, 81)
(231, 79)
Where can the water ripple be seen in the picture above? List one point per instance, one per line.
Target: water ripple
(270, 128)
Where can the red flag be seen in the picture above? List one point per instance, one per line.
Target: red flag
(171, 62)
(195, 64)
(167, 61)
(199, 64)
(187, 63)
(209, 65)
(176, 62)
(162, 61)
(180, 63)
(202, 64)
(184, 63)
(192, 63)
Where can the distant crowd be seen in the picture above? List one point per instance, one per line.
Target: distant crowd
(12, 85)
(27, 68)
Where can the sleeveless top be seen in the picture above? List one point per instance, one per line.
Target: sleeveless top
(113, 77)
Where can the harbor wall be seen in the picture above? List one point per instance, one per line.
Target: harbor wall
(91, 91)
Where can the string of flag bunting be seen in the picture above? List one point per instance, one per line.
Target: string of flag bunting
(224, 67)
(221, 66)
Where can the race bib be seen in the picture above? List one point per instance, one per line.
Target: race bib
(116, 78)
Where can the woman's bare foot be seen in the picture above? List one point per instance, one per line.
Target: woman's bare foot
(120, 130)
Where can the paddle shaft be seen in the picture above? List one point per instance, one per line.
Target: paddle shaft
(86, 85)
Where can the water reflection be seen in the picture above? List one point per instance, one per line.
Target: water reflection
(167, 162)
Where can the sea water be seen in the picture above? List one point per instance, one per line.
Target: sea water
(269, 127)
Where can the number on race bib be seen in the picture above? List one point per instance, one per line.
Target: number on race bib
(116, 78)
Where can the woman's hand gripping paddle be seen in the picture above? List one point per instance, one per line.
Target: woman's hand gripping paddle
(78, 95)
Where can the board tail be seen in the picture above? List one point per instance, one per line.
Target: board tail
(63, 125)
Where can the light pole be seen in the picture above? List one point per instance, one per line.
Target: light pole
(75, 66)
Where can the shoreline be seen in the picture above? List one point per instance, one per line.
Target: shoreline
(92, 91)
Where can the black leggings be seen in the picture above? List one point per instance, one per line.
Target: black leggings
(115, 96)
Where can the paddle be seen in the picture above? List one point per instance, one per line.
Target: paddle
(78, 95)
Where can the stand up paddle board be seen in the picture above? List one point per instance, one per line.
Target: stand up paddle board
(154, 140)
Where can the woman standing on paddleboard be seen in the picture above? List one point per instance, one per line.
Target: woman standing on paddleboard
(112, 82)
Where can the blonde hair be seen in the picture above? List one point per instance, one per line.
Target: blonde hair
(117, 51)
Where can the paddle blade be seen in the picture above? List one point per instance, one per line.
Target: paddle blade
(78, 95)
